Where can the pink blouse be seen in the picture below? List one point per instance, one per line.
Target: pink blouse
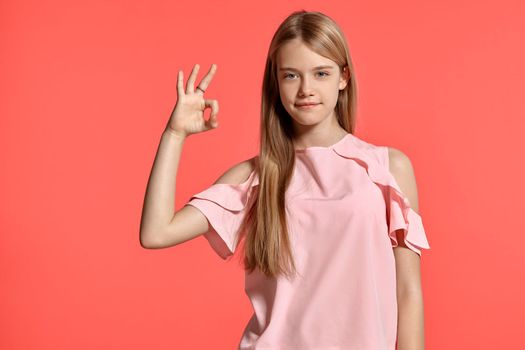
(343, 207)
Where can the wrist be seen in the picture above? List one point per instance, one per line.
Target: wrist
(174, 135)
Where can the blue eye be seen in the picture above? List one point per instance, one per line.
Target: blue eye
(320, 72)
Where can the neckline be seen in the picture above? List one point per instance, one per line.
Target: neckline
(324, 147)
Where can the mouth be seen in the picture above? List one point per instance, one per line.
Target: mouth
(306, 106)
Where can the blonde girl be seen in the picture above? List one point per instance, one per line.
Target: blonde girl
(326, 223)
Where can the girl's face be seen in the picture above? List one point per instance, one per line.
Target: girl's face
(306, 77)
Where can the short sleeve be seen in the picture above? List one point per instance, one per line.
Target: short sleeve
(400, 216)
(224, 205)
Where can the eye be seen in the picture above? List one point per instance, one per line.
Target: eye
(323, 74)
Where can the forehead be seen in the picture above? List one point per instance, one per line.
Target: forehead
(295, 54)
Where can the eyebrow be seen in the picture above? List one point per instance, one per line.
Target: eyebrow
(315, 68)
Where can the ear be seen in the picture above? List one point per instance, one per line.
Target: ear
(345, 77)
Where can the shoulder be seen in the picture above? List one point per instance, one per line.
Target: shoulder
(398, 161)
(402, 170)
(238, 173)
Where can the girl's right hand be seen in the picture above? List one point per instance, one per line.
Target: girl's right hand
(188, 115)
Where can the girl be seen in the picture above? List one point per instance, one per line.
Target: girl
(331, 237)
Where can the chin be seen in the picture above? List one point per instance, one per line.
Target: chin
(307, 120)
(307, 117)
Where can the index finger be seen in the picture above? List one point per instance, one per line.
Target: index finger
(180, 85)
(206, 80)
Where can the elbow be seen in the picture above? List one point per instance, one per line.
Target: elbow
(148, 240)
(149, 236)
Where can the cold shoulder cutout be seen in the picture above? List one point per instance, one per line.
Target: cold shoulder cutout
(224, 206)
(400, 214)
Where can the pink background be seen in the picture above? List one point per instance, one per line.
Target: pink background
(87, 88)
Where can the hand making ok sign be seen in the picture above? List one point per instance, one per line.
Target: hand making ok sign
(188, 115)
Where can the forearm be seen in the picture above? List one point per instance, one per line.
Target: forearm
(410, 326)
(159, 201)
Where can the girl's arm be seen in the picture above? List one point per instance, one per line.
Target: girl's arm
(159, 201)
(168, 229)
(186, 119)
(410, 328)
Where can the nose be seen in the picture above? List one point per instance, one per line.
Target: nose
(305, 87)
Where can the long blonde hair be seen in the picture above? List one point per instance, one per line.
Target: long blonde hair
(267, 244)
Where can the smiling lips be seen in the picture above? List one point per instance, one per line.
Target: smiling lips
(306, 105)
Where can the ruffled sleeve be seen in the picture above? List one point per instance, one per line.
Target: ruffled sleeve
(399, 214)
(402, 217)
(224, 205)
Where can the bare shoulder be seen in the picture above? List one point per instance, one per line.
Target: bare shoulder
(401, 168)
(398, 159)
(238, 173)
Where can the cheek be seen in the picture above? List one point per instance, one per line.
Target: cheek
(331, 95)
(287, 99)
(284, 92)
